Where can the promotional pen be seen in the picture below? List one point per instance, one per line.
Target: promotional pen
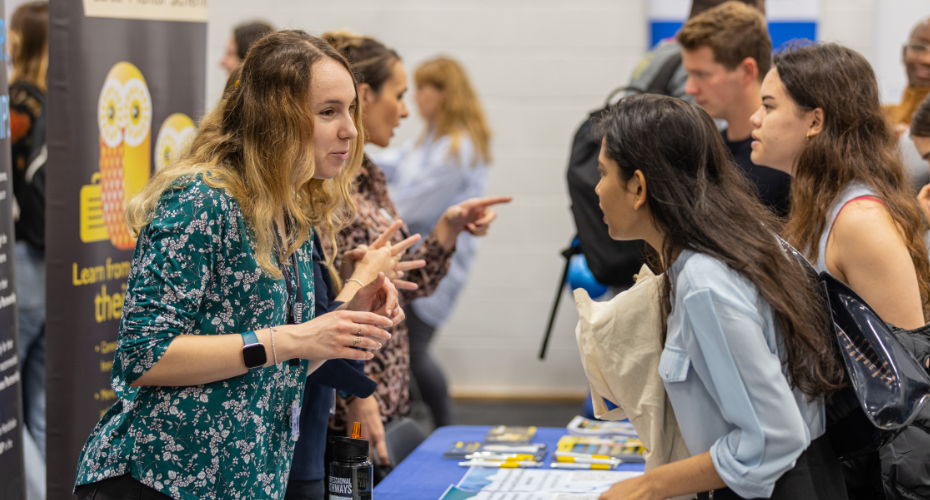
(508, 457)
(500, 465)
(506, 448)
(559, 465)
(582, 455)
(588, 460)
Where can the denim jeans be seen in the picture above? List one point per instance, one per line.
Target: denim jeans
(30, 301)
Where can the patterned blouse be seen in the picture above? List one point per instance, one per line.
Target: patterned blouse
(194, 273)
(390, 367)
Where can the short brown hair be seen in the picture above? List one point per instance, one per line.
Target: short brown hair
(733, 31)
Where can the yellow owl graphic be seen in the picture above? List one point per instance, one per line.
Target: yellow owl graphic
(175, 134)
(124, 116)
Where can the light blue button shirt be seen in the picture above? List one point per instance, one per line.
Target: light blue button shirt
(424, 179)
(723, 373)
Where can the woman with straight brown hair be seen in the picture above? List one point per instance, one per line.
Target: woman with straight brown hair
(446, 165)
(747, 355)
(851, 210)
(382, 85)
(218, 332)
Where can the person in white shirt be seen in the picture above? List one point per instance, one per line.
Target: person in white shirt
(446, 165)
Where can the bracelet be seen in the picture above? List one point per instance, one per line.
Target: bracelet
(273, 353)
(360, 284)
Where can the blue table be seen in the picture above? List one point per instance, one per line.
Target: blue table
(425, 475)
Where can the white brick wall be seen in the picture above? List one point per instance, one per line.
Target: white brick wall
(539, 66)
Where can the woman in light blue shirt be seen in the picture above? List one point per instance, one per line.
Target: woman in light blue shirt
(748, 357)
(447, 165)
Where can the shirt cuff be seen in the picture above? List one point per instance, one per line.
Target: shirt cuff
(736, 480)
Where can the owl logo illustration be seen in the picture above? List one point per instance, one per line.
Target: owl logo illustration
(175, 134)
(124, 117)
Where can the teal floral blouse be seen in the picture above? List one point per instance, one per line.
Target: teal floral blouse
(194, 273)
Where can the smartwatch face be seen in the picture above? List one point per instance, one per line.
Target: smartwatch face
(254, 356)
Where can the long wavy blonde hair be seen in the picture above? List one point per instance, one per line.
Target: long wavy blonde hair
(459, 111)
(258, 145)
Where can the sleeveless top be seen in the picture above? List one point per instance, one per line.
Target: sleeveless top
(852, 191)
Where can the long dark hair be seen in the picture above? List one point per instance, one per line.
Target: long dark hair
(857, 144)
(699, 200)
(29, 43)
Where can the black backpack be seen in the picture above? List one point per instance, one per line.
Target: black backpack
(611, 262)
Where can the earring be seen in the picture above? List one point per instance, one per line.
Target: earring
(808, 135)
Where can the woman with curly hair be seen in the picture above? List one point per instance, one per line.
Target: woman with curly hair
(218, 331)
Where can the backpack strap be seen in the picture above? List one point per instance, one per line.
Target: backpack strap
(660, 83)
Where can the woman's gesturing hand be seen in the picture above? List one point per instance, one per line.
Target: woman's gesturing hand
(334, 335)
(378, 297)
(366, 261)
(472, 215)
(367, 412)
(637, 488)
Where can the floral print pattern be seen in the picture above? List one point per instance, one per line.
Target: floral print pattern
(194, 273)
(390, 367)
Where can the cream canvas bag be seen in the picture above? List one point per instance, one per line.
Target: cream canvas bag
(620, 344)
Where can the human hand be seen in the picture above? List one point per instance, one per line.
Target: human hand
(335, 335)
(374, 261)
(473, 215)
(378, 297)
(637, 488)
(367, 412)
(355, 258)
(365, 262)
(350, 259)
(923, 201)
(400, 267)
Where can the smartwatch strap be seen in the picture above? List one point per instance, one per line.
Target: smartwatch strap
(249, 338)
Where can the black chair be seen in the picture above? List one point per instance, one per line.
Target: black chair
(402, 436)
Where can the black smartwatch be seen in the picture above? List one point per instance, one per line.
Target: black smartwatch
(253, 352)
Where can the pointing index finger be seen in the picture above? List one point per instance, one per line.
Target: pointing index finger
(493, 200)
(387, 235)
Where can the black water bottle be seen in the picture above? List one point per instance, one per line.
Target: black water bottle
(350, 471)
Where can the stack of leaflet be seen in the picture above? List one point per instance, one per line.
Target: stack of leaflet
(617, 448)
(503, 447)
(534, 484)
(580, 426)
